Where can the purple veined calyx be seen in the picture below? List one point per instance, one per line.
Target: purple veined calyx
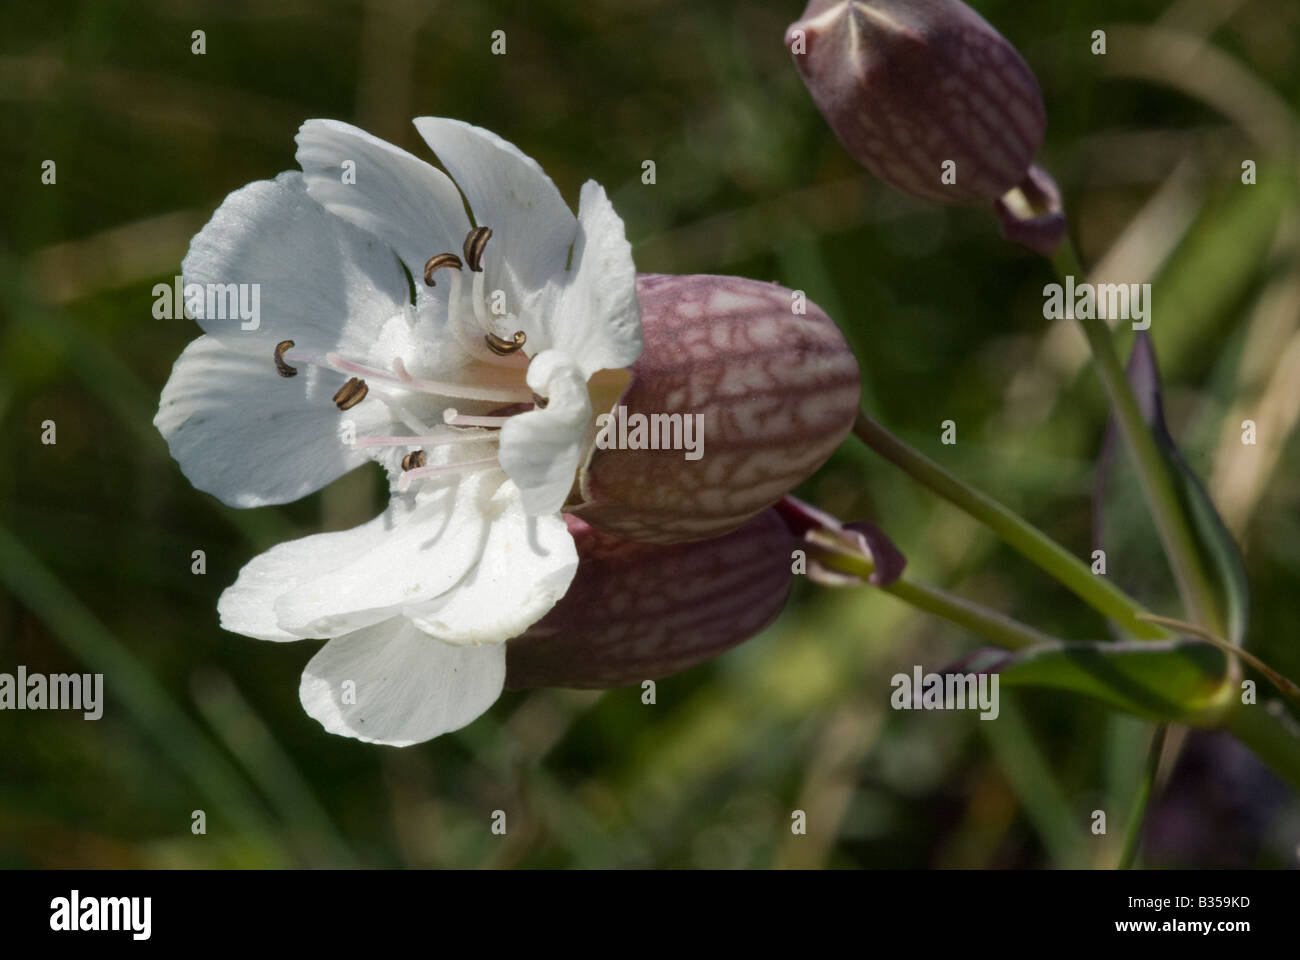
(620, 430)
(927, 95)
(643, 611)
(774, 389)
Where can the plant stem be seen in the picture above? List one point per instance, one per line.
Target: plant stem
(1138, 815)
(1002, 630)
(1153, 473)
(1098, 592)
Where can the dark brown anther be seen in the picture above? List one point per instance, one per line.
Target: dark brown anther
(351, 393)
(437, 262)
(281, 367)
(475, 241)
(503, 348)
(540, 402)
(413, 461)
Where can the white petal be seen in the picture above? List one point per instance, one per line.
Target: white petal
(532, 228)
(409, 204)
(527, 565)
(541, 449)
(598, 320)
(407, 686)
(250, 437)
(248, 606)
(424, 550)
(318, 280)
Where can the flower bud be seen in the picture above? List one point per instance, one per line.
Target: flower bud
(924, 93)
(641, 611)
(1032, 214)
(758, 378)
(826, 540)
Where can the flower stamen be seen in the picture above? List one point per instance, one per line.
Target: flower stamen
(461, 329)
(454, 418)
(478, 298)
(475, 241)
(282, 368)
(474, 246)
(436, 439)
(503, 348)
(399, 377)
(437, 262)
(351, 393)
(468, 466)
(414, 460)
(464, 391)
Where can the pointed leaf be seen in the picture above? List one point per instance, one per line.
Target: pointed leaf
(1161, 680)
(1122, 527)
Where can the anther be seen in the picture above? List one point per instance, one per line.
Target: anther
(475, 241)
(450, 469)
(437, 262)
(540, 402)
(414, 461)
(503, 348)
(351, 393)
(281, 367)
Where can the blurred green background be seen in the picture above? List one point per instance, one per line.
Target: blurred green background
(96, 532)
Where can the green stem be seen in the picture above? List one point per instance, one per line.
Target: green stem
(991, 625)
(1153, 473)
(1098, 592)
(1002, 630)
(1138, 815)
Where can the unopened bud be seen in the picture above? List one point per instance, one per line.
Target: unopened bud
(1032, 214)
(641, 611)
(924, 93)
(871, 556)
(757, 378)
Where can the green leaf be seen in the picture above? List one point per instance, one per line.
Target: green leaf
(1158, 679)
(1125, 533)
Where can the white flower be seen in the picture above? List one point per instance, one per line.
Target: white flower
(474, 391)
